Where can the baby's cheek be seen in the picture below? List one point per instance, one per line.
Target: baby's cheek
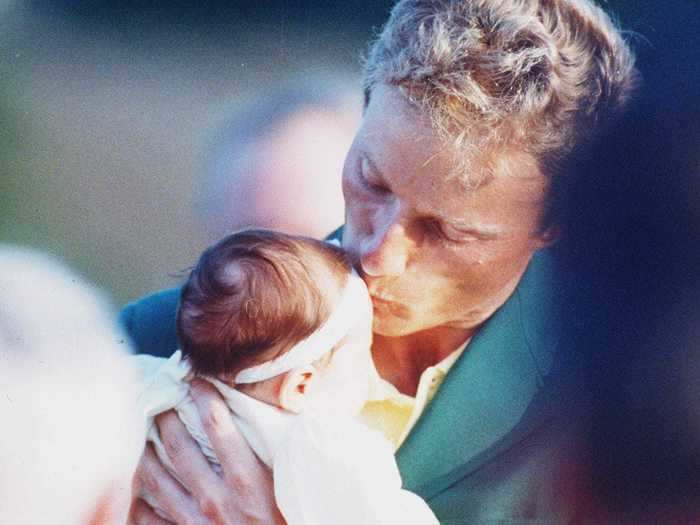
(356, 384)
(349, 386)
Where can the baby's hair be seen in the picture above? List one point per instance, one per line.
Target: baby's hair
(255, 294)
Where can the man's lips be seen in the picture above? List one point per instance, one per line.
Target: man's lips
(380, 299)
(386, 307)
(379, 293)
(385, 301)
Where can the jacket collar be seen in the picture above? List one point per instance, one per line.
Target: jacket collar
(479, 407)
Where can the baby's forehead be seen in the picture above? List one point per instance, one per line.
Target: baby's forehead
(329, 279)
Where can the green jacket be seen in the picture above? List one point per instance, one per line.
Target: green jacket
(494, 445)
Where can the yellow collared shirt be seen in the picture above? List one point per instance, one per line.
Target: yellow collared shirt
(393, 413)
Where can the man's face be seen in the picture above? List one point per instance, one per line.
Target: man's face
(433, 253)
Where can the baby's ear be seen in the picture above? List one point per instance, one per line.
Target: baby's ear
(295, 387)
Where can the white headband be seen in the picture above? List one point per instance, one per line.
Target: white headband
(343, 318)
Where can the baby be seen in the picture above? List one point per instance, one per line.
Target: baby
(282, 326)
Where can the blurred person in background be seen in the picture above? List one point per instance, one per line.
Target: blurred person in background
(62, 358)
(453, 188)
(276, 162)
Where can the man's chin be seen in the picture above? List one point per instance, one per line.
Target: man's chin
(393, 326)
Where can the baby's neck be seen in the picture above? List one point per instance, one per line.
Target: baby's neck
(267, 391)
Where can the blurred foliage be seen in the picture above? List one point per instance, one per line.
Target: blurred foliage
(14, 193)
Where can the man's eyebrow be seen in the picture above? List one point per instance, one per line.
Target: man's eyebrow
(482, 231)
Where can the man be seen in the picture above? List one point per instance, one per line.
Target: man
(62, 357)
(453, 188)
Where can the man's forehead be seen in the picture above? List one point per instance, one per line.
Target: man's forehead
(462, 167)
(437, 173)
(478, 207)
(453, 170)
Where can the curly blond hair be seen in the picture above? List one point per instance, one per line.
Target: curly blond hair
(537, 75)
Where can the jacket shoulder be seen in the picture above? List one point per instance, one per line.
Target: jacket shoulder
(150, 322)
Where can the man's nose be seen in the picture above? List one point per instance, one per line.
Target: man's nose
(385, 252)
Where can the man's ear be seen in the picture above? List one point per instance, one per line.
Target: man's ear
(296, 386)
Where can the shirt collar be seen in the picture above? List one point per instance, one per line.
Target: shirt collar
(381, 389)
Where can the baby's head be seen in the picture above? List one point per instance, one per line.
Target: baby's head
(281, 317)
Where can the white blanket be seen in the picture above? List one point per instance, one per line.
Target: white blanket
(327, 469)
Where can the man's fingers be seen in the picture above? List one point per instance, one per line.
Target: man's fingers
(192, 467)
(251, 482)
(157, 482)
(207, 489)
(141, 514)
(230, 446)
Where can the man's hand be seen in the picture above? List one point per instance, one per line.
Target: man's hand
(244, 493)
